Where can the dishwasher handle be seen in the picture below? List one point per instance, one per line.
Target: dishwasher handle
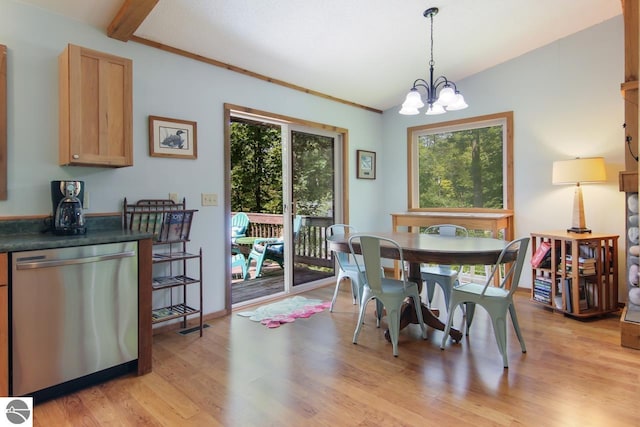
(32, 263)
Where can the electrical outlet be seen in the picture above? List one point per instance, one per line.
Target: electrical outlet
(85, 201)
(173, 197)
(209, 199)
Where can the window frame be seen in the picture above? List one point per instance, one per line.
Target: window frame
(413, 198)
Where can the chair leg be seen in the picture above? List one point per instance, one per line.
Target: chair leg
(447, 328)
(245, 271)
(431, 287)
(379, 310)
(355, 291)
(418, 307)
(393, 318)
(446, 291)
(500, 330)
(363, 307)
(516, 326)
(359, 286)
(259, 263)
(470, 311)
(335, 292)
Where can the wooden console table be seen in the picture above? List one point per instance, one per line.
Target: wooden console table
(490, 221)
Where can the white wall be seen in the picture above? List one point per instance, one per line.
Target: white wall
(567, 103)
(163, 85)
(565, 97)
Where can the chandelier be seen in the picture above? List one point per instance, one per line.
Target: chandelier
(449, 98)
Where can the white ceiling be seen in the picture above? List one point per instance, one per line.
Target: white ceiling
(364, 51)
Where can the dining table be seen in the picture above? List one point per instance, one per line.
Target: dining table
(418, 248)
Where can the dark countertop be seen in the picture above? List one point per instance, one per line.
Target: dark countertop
(30, 234)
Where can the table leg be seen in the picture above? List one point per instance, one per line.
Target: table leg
(408, 311)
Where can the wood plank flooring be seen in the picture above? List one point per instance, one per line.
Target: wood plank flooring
(575, 373)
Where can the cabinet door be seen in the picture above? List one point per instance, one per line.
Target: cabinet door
(4, 326)
(95, 108)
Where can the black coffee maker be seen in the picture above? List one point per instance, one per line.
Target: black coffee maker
(67, 207)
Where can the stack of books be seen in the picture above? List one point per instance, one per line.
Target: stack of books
(542, 289)
(586, 266)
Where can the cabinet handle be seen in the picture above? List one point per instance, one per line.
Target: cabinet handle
(76, 156)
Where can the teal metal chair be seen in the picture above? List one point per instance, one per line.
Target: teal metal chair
(238, 260)
(239, 226)
(388, 293)
(445, 276)
(497, 300)
(271, 249)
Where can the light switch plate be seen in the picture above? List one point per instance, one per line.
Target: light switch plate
(209, 199)
(173, 197)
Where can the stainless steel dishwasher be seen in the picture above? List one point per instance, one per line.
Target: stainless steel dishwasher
(74, 312)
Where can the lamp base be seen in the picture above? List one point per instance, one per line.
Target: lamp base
(578, 230)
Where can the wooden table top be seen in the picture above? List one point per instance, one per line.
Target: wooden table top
(425, 248)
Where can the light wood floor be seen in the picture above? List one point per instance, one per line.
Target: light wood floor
(240, 373)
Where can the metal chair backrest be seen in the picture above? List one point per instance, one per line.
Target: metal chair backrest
(448, 230)
(371, 258)
(340, 230)
(513, 269)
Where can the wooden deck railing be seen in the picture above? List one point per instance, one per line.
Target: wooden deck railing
(310, 245)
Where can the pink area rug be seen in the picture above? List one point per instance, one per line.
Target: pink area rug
(286, 311)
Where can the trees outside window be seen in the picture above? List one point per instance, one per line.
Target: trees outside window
(462, 165)
(256, 169)
(256, 166)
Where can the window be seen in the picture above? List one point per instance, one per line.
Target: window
(462, 165)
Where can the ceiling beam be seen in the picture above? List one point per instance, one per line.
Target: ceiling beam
(131, 14)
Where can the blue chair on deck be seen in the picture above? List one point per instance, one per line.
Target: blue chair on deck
(238, 260)
(271, 249)
(239, 225)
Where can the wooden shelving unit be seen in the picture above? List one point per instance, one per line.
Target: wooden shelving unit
(579, 275)
(170, 224)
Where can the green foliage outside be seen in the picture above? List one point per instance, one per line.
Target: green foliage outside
(256, 169)
(313, 167)
(461, 169)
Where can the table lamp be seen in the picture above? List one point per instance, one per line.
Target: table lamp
(578, 171)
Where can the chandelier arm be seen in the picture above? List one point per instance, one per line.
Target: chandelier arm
(429, 89)
(442, 80)
(421, 83)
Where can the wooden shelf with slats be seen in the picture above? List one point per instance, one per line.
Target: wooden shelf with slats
(580, 275)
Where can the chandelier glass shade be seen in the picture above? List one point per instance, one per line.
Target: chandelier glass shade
(442, 95)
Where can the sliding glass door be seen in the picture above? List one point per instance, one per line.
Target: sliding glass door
(288, 179)
(314, 159)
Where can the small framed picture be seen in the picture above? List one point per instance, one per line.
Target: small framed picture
(366, 164)
(172, 138)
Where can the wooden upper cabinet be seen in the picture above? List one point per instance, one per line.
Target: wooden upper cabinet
(95, 108)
